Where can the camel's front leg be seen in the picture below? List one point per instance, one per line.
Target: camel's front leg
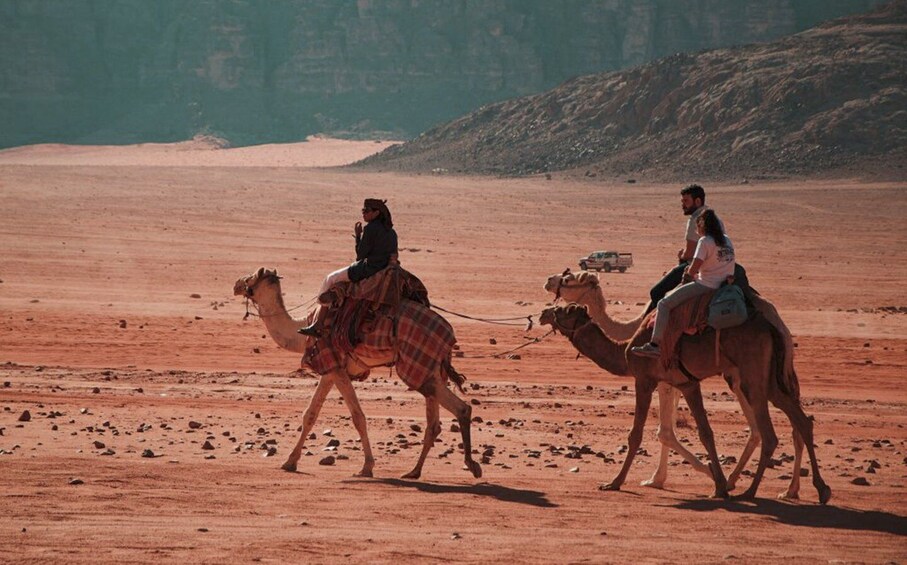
(693, 395)
(668, 398)
(432, 431)
(644, 390)
(755, 438)
(463, 412)
(308, 420)
(345, 386)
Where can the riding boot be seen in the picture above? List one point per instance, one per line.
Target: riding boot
(317, 326)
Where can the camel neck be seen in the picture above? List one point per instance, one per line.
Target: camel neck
(605, 352)
(280, 325)
(614, 329)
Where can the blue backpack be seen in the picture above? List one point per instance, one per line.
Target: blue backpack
(727, 308)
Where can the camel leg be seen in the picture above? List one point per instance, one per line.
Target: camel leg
(463, 412)
(754, 440)
(693, 395)
(769, 443)
(432, 431)
(308, 420)
(644, 390)
(345, 386)
(668, 398)
(793, 490)
(804, 427)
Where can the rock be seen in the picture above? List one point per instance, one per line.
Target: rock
(148, 453)
(415, 427)
(122, 323)
(861, 481)
(329, 460)
(454, 428)
(95, 390)
(99, 445)
(455, 535)
(194, 425)
(207, 446)
(271, 451)
(25, 416)
(492, 341)
(76, 482)
(334, 443)
(108, 451)
(195, 295)
(7, 384)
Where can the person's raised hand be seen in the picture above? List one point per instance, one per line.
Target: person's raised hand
(357, 229)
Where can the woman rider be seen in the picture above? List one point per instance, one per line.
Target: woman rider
(713, 262)
(376, 248)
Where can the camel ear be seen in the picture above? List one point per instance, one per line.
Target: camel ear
(566, 272)
(260, 272)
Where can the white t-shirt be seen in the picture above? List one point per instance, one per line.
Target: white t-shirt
(717, 262)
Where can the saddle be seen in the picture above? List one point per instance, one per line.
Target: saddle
(357, 309)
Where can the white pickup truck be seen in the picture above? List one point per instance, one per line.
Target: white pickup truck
(606, 261)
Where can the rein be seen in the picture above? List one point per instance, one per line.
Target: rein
(498, 321)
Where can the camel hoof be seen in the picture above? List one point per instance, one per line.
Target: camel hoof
(474, 468)
(609, 486)
(412, 475)
(364, 473)
(290, 467)
(652, 483)
(786, 495)
(824, 494)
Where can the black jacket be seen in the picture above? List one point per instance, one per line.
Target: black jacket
(373, 250)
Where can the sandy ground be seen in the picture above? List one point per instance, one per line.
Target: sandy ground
(118, 328)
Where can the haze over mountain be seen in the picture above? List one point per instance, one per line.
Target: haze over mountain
(256, 71)
(831, 97)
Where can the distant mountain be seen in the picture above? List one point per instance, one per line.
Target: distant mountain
(834, 96)
(255, 71)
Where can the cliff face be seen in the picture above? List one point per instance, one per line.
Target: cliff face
(96, 71)
(833, 96)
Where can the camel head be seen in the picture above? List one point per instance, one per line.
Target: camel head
(246, 285)
(565, 319)
(571, 287)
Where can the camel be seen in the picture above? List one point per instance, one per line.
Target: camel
(752, 353)
(584, 288)
(262, 288)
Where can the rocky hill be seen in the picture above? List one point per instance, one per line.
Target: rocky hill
(254, 71)
(833, 96)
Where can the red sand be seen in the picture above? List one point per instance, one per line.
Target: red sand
(93, 236)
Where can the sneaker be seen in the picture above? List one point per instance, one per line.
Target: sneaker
(648, 350)
(311, 331)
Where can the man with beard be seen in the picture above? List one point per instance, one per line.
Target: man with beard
(692, 200)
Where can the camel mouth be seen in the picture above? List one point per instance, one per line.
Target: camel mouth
(547, 317)
(240, 287)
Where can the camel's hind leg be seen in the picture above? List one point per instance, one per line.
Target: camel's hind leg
(693, 395)
(793, 489)
(804, 427)
(463, 412)
(754, 440)
(644, 390)
(308, 420)
(668, 398)
(345, 386)
(432, 431)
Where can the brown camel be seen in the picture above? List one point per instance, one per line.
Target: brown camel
(584, 288)
(752, 353)
(262, 288)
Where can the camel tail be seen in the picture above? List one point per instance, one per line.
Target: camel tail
(455, 377)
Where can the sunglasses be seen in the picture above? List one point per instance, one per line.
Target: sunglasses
(367, 210)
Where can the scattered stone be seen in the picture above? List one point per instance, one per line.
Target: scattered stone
(99, 445)
(76, 482)
(7, 384)
(492, 341)
(454, 428)
(415, 427)
(202, 530)
(455, 535)
(194, 425)
(271, 451)
(148, 453)
(122, 323)
(334, 443)
(195, 295)
(329, 460)
(108, 451)
(861, 481)
(95, 390)
(25, 416)
(207, 446)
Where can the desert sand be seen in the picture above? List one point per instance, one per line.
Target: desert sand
(119, 334)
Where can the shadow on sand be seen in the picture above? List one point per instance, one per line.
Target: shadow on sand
(810, 515)
(502, 493)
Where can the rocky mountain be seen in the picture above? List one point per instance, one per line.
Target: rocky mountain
(830, 97)
(252, 71)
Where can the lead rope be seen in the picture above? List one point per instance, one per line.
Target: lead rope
(498, 321)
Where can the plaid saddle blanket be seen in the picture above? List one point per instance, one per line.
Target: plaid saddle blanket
(408, 334)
